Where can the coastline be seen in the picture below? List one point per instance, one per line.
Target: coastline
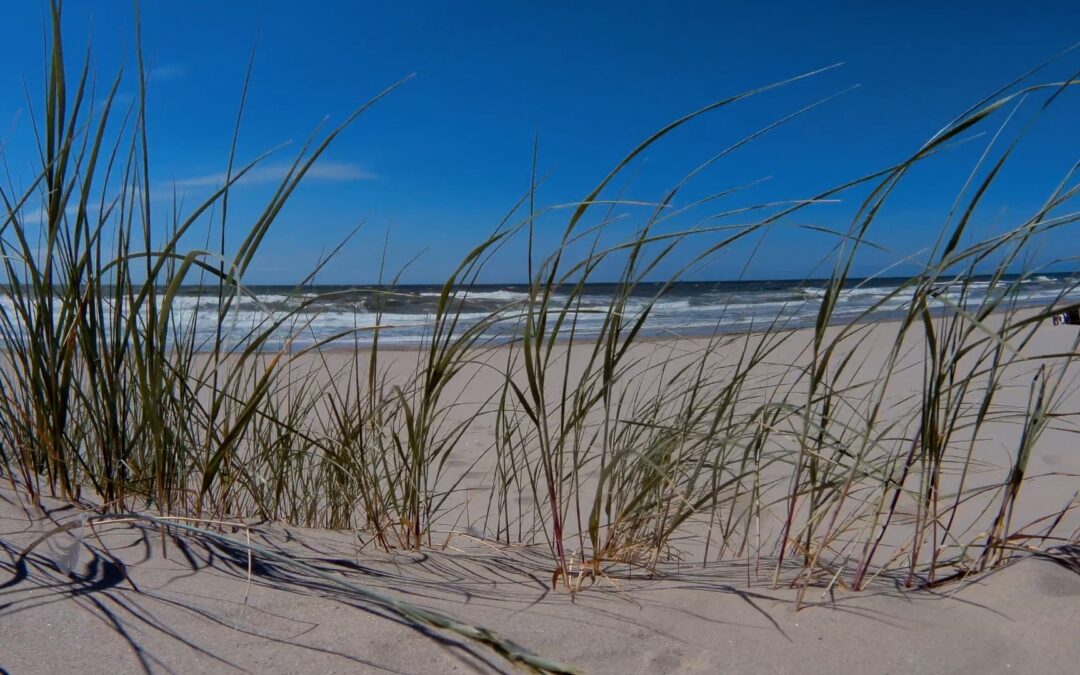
(187, 604)
(698, 336)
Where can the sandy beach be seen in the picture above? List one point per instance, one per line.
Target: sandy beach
(137, 600)
(196, 610)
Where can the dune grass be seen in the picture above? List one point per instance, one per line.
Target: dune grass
(616, 456)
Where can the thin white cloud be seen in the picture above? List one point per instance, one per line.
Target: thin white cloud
(275, 173)
(166, 73)
(329, 171)
(31, 215)
(119, 102)
(28, 216)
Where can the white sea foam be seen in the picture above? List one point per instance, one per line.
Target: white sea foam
(345, 312)
(506, 296)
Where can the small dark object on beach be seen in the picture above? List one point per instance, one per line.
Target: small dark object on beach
(1069, 318)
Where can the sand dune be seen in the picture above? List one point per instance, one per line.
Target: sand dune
(132, 605)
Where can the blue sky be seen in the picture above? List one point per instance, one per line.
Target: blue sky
(442, 159)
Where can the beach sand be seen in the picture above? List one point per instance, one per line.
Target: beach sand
(139, 601)
(196, 610)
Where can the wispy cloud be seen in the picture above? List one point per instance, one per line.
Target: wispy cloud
(120, 102)
(275, 173)
(166, 73)
(328, 171)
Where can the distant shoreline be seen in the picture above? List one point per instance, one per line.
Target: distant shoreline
(1025, 311)
(406, 316)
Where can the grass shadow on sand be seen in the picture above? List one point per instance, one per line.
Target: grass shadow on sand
(147, 596)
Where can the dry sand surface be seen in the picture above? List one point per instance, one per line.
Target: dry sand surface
(138, 601)
(190, 607)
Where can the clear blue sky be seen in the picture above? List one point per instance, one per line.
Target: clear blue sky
(442, 159)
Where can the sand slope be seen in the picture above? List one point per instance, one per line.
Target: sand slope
(196, 611)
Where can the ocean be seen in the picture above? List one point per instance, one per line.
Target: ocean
(405, 314)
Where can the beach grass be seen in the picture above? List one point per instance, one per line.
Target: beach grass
(607, 447)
